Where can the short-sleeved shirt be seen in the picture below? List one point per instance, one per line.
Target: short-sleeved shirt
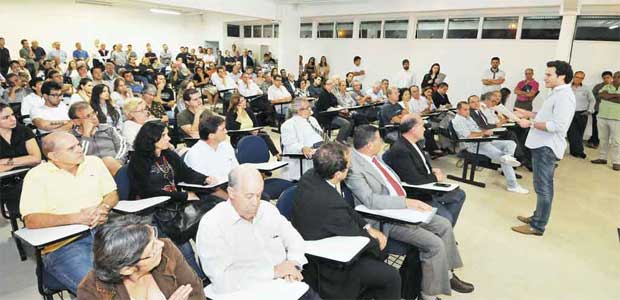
(186, 117)
(389, 110)
(58, 113)
(212, 162)
(608, 109)
(157, 110)
(16, 147)
(464, 127)
(492, 74)
(49, 189)
(527, 87)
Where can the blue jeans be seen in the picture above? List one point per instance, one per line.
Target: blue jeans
(70, 263)
(449, 205)
(543, 164)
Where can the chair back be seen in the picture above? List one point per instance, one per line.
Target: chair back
(252, 149)
(285, 202)
(122, 183)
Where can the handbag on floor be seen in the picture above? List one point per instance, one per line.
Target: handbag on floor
(179, 220)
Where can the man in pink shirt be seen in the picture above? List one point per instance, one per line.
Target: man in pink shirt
(526, 91)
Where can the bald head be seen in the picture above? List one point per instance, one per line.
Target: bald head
(63, 149)
(55, 140)
(245, 186)
(411, 127)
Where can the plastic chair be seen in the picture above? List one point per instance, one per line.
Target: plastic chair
(252, 149)
(285, 202)
(122, 183)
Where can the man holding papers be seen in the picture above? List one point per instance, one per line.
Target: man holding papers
(245, 242)
(377, 186)
(320, 211)
(406, 158)
(68, 189)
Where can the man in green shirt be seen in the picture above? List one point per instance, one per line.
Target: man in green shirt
(609, 123)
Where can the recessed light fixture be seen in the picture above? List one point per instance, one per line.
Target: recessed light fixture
(164, 11)
(614, 26)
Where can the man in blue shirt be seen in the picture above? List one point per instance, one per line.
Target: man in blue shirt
(80, 53)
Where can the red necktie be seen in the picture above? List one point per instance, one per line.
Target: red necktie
(399, 190)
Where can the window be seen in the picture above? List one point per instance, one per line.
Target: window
(257, 30)
(396, 29)
(276, 30)
(430, 29)
(326, 30)
(598, 28)
(247, 31)
(232, 30)
(463, 28)
(344, 30)
(268, 31)
(370, 30)
(305, 30)
(500, 28)
(541, 28)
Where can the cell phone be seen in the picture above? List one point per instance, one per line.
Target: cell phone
(441, 184)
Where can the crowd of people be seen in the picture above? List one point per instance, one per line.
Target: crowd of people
(77, 120)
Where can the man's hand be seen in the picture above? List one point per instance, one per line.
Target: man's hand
(524, 123)
(87, 216)
(487, 133)
(439, 174)
(379, 236)
(210, 180)
(417, 205)
(287, 270)
(308, 152)
(192, 196)
(522, 113)
(88, 128)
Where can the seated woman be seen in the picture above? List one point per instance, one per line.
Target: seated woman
(18, 148)
(136, 115)
(240, 116)
(101, 102)
(84, 91)
(121, 92)
(131, 262)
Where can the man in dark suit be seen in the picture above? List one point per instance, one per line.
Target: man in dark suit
(320, 211)
(406, 158)
(341, 119)
(246, 61)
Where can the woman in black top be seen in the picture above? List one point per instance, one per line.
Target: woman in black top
(310, 67)
(240, 116)
(18, 148)
(434, 77)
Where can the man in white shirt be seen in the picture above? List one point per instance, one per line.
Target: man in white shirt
(358, 72)
(245, 242)
(257, 99)
(405, 77)
(493, 78)
(53, 115)
(223, 82)
(277, 95)
(301, 134)
(547, 141)
(209, 57)
(376, 93)
(34, 99)
(236, 72)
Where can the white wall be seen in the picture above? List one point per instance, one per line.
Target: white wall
(594, 57)
(67, 22)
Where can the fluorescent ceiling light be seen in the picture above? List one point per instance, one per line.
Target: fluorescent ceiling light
(614, 26)
(164, 11)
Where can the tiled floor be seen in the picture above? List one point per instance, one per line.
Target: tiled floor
(577, 258)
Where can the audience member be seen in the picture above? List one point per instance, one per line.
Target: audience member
(79, 53)
(584, 106)
(5, 58)
(323, 69)
(279, 95)
(155, 108)
(320, 211)
(391, 112)
(609, 123)
(606, 77)
(53, 114)
(121, 92)
(225, 84)
(106, 111)
(433, 78)
(165, 56)
(189, 119)
(84, 91)
(358, 71)
(130, 261)
(301, 134)
(134, 86)
(494, 77)
(60, 56)
(526, 90)
(34, 99)
(405, 77)
(69, 188)
(341, 120)
(376, 186)
(240, 116)
(17, 89)
(164, 93)
(440, 96)
(136, 115)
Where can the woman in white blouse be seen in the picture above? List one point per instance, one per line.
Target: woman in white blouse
(136, 115)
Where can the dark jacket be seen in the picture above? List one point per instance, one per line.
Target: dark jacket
(325, 101)
(171, 273)
(480, 121)
(409, 166)
(320, 212)
(232, 124)
(439, 99)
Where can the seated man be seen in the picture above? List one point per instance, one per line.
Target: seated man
(391, 113)
(497, 150)
(376, 186)
(257, 99)
(68, 189)
(301, 134)
(101, 140)
(320, 211)
(224, 82)
(135, 86)
(341, 120)
(53, 115)
(278, 95)
(440, 96)
(245, 241)
(376, 93)
(35, 99)
(189, 119)
(363, 99)
(406, 158)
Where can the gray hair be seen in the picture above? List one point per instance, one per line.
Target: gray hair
(149, 89)
(241, 173)
(486, 96)
(391, 90)
(77, 107)
(119, 243)
(296, 105)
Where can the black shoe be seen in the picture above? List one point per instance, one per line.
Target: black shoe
(582, 155)
(461, 286)
(599, 161)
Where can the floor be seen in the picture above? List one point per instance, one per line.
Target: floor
(577, 258)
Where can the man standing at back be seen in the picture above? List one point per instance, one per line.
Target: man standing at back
(546, 141)
(358, 71)
(406, 77)
(609, 123)
(584, 106)
(493, 78)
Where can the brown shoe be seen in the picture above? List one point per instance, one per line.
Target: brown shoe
(599, 161)
(461, 286)
(527, 230)
(616, 167)
(526, 220)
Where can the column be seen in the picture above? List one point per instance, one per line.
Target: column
(288, 41)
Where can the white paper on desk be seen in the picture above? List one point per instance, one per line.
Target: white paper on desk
(42, 236)
(335, 108)
(9, 173)
(132, 206)
(338, 248)
(505, 111)
(499, 129)
(509, 124)
(200, 186)
(432, 186)
(278, 289)
(268, 166)
(404, 214)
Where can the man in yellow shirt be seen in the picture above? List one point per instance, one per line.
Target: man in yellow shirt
(68, 189)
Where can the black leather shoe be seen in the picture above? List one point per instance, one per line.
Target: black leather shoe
(461, 286)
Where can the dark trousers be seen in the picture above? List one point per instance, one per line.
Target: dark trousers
(449, 204)
(264, 108)
(310, 295)
(594, 138)
(521, 136)
(575, 132)
(378, 280)
(345, 127)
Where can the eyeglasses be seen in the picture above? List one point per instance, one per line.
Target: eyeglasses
(153, 248)
(55, 95)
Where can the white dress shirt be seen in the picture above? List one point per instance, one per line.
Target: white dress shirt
(236, 253)
(212, 162)
(557, 113)
(222, 84)
(358, 69)
(297, 133)
(274, 93)
(417, 105)
(209, 58)
(29, 103)
(250, 89)
(489, 114)
(405, 79)
(44, 112)
(388, 169)
(130, 131)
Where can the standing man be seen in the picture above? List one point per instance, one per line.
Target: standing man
(406, 77)
(39, 53)
(584, 106)
(493, 78)
(609, 123)
(526, 90)
(358, 72)
(607, 77)
(165, 57)
(57, 54)
(5, 58)
(546, 141)
(28, 55)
